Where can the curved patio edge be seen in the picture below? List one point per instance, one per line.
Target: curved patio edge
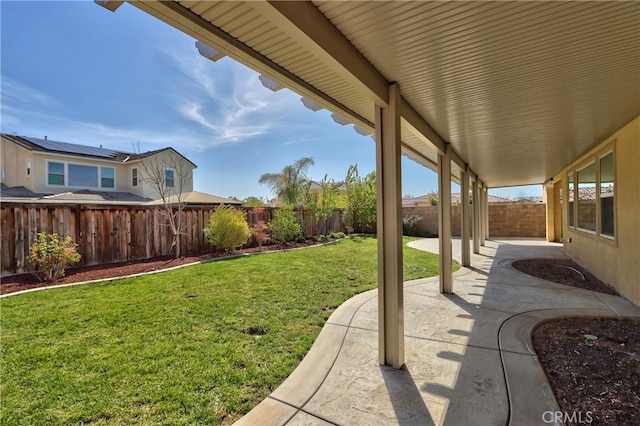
(297, 389)
(529, 391)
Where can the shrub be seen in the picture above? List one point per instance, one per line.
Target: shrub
(260, 232)
(49, 255)
(228, 228)
(284, 226)
(300, 239)
(410, 223)
(340, 235)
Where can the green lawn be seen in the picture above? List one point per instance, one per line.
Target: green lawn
(180, 347)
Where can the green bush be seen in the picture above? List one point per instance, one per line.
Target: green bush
(228, 228)
(410, 223)
(49, 255)
(340, 235)
(284, 226)
(300, 239)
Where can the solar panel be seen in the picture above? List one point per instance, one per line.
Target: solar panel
(73, 148)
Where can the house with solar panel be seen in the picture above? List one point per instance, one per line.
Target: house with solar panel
(37, 169)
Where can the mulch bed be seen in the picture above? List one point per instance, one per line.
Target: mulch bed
(597, 379)
(593, 364)
(562, 271)
(13, 283)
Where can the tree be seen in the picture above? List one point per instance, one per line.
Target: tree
(170, 176)
(253, 202)
(361, 200)
(321, 202)
(288, 184)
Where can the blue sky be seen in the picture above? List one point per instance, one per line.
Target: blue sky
(79, 73)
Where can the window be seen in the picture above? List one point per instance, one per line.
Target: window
(134, 177)
(571, 202)
(28, 168)
(81, 175)
(169, 178)
(586, 178)
(107, 177)
(607, 217)
(55, 173)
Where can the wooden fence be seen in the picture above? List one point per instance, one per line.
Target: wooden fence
(109, 234)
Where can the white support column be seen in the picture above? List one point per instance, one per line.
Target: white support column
(476, 216)
(444, 222)
(389, 191)
(485, 205)
(465, 225)
(483, 212)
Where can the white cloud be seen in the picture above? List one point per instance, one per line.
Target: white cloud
(227, 100)
(17, 93)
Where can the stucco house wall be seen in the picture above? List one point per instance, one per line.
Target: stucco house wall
(613, 260)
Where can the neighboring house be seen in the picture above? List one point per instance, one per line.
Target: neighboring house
(42, 169)
(195, 198)
(426, 200)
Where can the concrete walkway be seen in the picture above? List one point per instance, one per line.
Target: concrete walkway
(469, 358)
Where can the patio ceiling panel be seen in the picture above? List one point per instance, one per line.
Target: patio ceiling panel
(519, 89)
(249, 23)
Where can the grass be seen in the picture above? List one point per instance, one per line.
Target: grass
(198, 345)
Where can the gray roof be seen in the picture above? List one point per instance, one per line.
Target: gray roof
(86, 195)
(23, 195)
(48, 145)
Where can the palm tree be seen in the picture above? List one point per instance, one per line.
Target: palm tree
(288, 184)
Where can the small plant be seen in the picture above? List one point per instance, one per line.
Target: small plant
(49, 255)
(320, 239)
(301, 239)
(284, 226)
(260, 232)
(410, 223)
(340, 235)
(228, 228)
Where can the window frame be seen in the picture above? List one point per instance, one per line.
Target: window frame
(28, 167)
(599, 192)
(593, 158)
(173, 178)
(134, 179)
(576, 197)
(571, 204)
(65, 174)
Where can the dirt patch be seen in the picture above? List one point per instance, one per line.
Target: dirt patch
(13, 283)
(593, 365)
(562, 271)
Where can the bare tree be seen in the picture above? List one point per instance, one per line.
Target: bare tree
(170, 176)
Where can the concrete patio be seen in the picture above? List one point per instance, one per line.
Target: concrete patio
(468, 355)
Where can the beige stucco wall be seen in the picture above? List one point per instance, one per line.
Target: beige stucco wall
(614, 261)
(14, 165)
(165, 159)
